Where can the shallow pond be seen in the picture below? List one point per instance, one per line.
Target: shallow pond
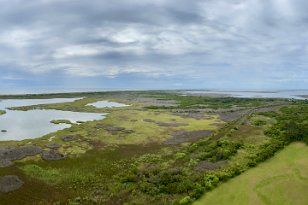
(19, 125)
(105, 103)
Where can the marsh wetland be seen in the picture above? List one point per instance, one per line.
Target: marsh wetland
(143, 147)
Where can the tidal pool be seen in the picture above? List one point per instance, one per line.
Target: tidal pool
(105, 103)
(19, 125)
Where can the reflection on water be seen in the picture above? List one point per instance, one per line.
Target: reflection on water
(105, 103)
(36, 123)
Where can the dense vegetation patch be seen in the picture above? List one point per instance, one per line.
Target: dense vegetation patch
(2, 112)
(292, 124)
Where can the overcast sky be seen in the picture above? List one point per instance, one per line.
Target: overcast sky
(157, 44)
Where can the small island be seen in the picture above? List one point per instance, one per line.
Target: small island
(61, 122)
(2, 112)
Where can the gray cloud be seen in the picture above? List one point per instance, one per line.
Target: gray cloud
(244, 39)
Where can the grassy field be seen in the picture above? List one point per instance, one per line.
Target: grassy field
(282, 180)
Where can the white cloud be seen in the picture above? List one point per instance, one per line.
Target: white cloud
(76, 50)
(129, 35)
(18, 38)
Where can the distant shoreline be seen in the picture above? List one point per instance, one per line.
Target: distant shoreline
(283, 94)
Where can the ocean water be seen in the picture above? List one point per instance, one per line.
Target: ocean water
(289, 94)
